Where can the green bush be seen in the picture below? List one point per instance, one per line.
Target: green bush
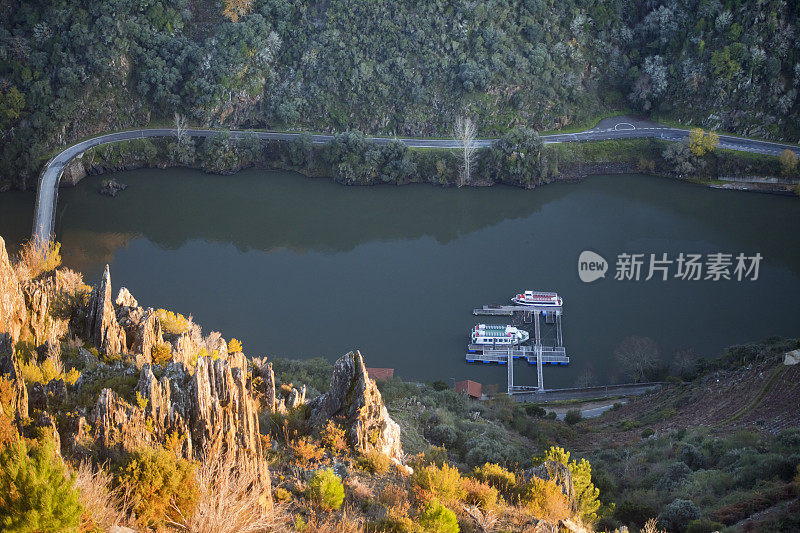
(444, 435)
(326, 490)
(35, 492)
(162, 487)
(437, 518)
(443, 483)
(635, 510)
(573, 416)
(374, 462)
(496, 476)
(677, 515)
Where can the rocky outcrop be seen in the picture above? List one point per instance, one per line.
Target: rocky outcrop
(142, 327)
(13, 312)
(354, 401)
(42, 299)
(102, 326)
(210, 411)
(119, 427)
(559, 474)
(265, 385)
(10, 370)
(111, 188)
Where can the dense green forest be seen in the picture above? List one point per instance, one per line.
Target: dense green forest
(71, 69)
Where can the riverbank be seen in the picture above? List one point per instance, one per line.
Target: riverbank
(392, 163)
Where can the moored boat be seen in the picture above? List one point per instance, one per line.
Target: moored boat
(537, 298)
(498, 335)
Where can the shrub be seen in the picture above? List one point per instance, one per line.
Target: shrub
(635, 511)
(174, 323)
(161, 488)
(435, 455)
(374, 462)
(103, 507)
(306, 451)
(437, 518)
(162, 353)
(332, 437)
(675, 473)
(231, 499)
(36, 257)
(35, 492)
(281, 494)
(443, 483)
(535, 411)
(234, 346)
(690, 455)
(444, 435)
(544, 499)
(479, 493)
(704, 525)
(326, 490)
(647, 433)
(496, 476)
(677, 515)
(573, 416)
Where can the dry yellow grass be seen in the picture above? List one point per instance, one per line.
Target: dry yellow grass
(37, 257)
(103, 507)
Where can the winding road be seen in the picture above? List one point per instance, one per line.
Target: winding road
(612, 128)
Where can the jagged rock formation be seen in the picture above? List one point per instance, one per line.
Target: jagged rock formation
(265, 387)
(142, 327)
(10, 370)
(41, 297)
(558, 473)
(354, 400)
(102, 326)
(207, 412)
(13, 312)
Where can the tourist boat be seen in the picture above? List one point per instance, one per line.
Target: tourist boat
(543, 299)
(497, 335)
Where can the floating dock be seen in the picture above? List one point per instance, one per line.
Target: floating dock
(535, 353)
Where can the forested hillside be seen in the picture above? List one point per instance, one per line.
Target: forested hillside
(71, 69)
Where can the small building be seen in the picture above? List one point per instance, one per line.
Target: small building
(380, 373)
(469, 387)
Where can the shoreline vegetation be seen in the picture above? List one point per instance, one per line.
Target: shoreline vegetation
(518, 158)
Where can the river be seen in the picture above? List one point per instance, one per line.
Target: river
(299, 267)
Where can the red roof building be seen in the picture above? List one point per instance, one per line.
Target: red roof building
(469, 387)
(380, 373)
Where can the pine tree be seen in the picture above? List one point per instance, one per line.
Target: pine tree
(35, 492)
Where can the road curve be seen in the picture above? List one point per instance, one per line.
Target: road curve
(617, 128)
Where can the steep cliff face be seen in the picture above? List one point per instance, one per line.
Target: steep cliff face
(13, 313)
(355, 401)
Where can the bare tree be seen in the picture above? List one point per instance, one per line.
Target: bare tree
(684, 362)
(637, 356)
(465, 133)
(180, 127)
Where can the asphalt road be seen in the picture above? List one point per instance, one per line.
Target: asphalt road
(614, 128)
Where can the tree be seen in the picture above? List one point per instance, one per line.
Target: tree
(685, 362)
(12, 102)
(637, 356)
(237, 8)
(788, 162)
(701, 143)
(465, 132)
(585, 492)
(35, 492)
(518, 157)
